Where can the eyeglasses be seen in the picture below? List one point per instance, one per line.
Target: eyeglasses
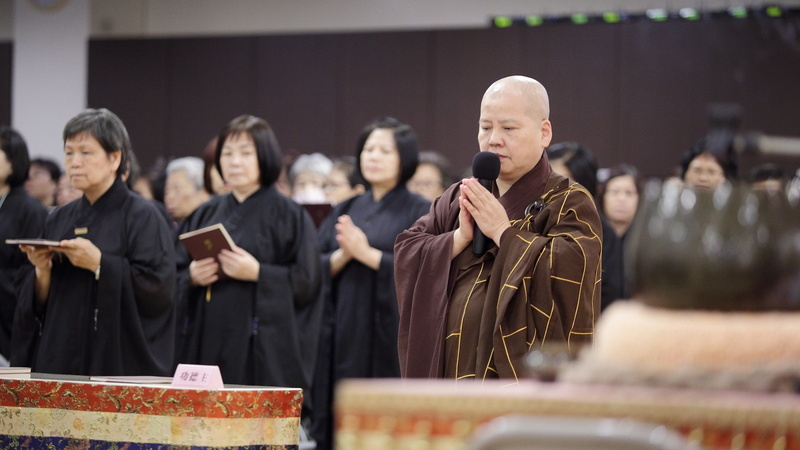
(332, 186)
(424, 184)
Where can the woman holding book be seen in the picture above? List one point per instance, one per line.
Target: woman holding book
(99, 301)
(253, 310)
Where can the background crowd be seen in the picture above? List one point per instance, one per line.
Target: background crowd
(297, 301)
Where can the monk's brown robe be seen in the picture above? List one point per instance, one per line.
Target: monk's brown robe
(478, 316)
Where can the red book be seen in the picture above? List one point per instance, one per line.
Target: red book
(207, 243)
(318, 212)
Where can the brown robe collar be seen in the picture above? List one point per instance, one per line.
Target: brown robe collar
(528, 189)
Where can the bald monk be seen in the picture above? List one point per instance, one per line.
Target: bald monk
(467, 317)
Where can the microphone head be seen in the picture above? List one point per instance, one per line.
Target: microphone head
(486, 166)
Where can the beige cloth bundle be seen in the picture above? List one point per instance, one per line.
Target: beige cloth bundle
(638, 344)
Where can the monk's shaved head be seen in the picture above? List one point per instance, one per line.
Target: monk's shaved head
(514, 124)
(534, 93)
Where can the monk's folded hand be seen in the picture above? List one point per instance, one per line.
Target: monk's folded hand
(486, 211)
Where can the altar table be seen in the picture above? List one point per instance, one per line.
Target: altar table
(440, 414)
(52, 411)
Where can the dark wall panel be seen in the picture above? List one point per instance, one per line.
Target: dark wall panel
(298, 91)
(756, 63)
(579, 66)
(673, 71)
(763, 78)
(384, 74)
(212, 80)
(466, 63)
(664, 90)
(6, 57)
(130, 77)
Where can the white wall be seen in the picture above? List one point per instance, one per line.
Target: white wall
(49, 72)
(222, 17)
(130, 18)
(142, 18)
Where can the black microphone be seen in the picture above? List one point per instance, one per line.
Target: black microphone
(486, 168)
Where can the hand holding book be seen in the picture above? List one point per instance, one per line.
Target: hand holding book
(215, 242)
(239, 264)
(39, 251)
(205, 272)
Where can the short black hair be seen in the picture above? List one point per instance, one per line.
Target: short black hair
(727, 162)
(404, 138)
(268, 151)
(134, 170)
(209, 155)
(766, 171)
(50, 166)
(107, 128)
(579, 160)
(16, 150)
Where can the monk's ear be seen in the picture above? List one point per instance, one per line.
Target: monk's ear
(547, 133)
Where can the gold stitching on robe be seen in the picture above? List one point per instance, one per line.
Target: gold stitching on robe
(463, 313)
(572, 244)
(540, 311)
(564, 279)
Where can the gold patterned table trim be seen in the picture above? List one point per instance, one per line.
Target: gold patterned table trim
(445, 416)
(146, 428)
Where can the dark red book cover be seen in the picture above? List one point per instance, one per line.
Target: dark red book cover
(207, 243)
(318, 212)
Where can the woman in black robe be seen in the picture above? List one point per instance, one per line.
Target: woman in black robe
(359, 335)
(259, 320)
(99, 303)
(21, 216)
(617, 202)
